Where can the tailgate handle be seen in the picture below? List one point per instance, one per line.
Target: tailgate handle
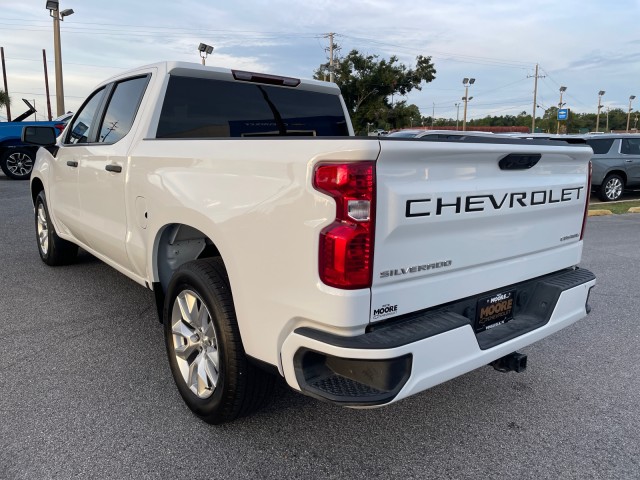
(519, 161)
(113, 168)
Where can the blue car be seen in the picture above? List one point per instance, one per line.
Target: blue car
(16, 158)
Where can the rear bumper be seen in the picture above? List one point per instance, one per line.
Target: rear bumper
(417, 351)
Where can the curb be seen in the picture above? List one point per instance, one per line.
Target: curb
(600, 213)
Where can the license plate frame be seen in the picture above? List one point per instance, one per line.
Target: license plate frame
(494, 310)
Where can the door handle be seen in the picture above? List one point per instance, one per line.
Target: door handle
(628, 161)
(113, 168)
(72, 163)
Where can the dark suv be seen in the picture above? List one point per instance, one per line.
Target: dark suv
(616, 164)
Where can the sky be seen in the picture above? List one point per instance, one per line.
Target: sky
(585, 45)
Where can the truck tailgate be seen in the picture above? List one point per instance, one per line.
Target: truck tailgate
(452, 222)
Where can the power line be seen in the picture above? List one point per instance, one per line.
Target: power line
(466, 58)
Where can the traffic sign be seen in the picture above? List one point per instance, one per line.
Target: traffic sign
(563, 113)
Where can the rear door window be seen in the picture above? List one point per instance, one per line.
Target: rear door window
(122, 109)
(208, 108)
(600, 146)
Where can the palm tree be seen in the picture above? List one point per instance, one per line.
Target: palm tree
(4, 99)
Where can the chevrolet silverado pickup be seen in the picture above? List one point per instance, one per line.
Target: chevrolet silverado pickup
(362, 270)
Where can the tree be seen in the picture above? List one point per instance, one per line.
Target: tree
(4, 99)
(368, 86)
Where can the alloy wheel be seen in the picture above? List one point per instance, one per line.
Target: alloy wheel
(613, 189)
(42, 226)
(195, 344)
(19, 163)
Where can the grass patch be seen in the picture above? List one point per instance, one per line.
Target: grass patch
(622, 207)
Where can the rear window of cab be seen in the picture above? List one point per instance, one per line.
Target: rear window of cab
(210, 108)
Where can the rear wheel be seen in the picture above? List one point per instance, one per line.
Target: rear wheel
(206, 356)
(17, 163)
(612, 188)
(53, 249)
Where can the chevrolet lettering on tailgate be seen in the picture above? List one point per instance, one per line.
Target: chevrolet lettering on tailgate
(478, 203)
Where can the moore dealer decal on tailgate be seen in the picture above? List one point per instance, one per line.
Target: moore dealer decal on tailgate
(385, 311)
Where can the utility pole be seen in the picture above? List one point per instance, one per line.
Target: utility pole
(600, 94)
(631, 98)
(58, 60)
(535, 98)
(466, 82)
(433, 116)
(6, 89)
(457, 105)
(560, 105)
(606, 129)
(331, 75)
(54, 11)
(46, 82)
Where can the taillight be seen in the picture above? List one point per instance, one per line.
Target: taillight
(59, 127)
(346, 246)
(586, 203)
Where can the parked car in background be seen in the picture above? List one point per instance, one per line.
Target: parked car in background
(616, 164)
(377, 132)
(17, 158)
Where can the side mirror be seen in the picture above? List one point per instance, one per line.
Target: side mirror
(41, 136)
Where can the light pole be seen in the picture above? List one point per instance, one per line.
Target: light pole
(560, 105)
(54, 11)
(457, 114)
(606, 128)
(466, 82)
(600, 94)
(631, 98)
(204, 50)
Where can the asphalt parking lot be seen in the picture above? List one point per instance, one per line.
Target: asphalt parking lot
(85, 390)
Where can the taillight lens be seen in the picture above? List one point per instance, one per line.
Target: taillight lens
(346, 246)
(586, 204)
(59, 127)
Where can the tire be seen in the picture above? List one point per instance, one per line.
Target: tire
(611, 188)
(17, 163)
(53, 249)
(206, 356)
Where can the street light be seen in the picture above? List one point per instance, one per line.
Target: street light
(204, 50)
(631, 98)
(466, 82)
(54, 11)
(457, 105)
(560, 105)
(600, 94)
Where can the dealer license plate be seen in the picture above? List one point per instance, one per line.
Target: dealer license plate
(494, 310)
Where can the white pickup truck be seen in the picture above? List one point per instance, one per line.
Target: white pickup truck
(362, 270)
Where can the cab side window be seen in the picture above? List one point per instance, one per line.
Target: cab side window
(600, 146)
(631, 146)
(122, 109)
(81, 127)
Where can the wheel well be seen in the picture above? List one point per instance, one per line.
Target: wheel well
(617, 172)
(179, 244)
(36, 188)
